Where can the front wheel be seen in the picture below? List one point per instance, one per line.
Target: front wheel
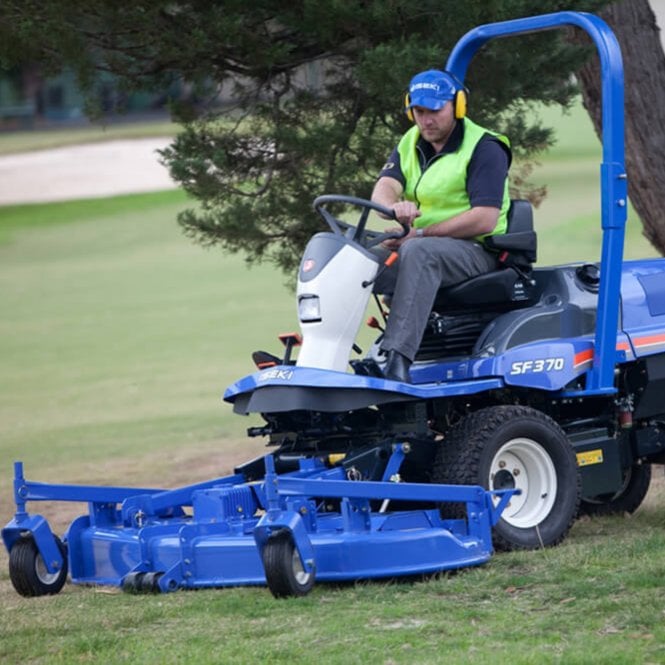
(285, 573)
(28, 571)
(514, 447)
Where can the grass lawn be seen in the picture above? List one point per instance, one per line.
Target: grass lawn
(117, 338)
(596, 599)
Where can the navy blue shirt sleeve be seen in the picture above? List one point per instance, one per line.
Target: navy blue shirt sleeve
(392, 168)
(487, 172)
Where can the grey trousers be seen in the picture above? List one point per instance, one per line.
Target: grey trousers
(423, 267)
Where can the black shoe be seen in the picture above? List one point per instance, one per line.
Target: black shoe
(397, 367)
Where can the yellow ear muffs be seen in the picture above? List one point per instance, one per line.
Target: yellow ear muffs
(459, 104)
(407, 107)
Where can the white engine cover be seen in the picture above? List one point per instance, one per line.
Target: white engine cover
(342, 300)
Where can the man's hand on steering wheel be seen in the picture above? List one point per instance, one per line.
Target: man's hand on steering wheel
(406, 212)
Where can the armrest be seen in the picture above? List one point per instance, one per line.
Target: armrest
(520, 242)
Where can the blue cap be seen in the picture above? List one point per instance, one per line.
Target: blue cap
(431, 89)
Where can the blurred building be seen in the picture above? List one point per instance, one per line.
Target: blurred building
(28, 100)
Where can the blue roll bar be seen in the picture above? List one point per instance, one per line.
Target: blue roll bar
(613, 179)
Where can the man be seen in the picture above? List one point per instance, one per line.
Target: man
(447, 179)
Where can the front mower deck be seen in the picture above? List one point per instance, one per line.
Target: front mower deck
(227, 532)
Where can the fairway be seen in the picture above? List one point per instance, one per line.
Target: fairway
(117, 339)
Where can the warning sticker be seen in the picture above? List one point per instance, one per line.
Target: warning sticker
(590, 457)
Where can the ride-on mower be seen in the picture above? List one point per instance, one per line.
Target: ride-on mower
(537, 393)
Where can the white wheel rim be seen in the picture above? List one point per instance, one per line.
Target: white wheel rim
(42, 573)
(525, 465)
(299, 572)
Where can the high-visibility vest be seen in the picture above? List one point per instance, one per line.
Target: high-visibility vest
(440, 191)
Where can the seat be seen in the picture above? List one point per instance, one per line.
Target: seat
(510, 284)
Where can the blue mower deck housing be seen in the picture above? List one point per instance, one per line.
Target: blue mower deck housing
(211, 534)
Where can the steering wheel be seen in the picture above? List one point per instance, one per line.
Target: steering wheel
(358, 233)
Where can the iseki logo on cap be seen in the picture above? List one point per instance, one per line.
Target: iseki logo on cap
(425, 86)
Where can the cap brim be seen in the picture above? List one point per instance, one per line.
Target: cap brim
(428, 102)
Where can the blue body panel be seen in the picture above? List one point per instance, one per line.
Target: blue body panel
(305, 377)
(643, 305)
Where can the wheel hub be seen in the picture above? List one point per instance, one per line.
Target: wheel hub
(525, 465)
(42, 572)
(503, 480)
(299, 572)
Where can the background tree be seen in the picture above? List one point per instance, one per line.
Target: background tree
(634, 24)
(255, 167)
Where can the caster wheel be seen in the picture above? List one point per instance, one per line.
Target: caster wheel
(284, 570)
(28, 572)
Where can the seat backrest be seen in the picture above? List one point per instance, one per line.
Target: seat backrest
(520, 216)
(518, 245)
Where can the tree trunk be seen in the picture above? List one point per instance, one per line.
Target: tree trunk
(634, 24)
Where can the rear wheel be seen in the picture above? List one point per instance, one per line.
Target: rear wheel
(28, 572)
(285, 573)
(627, 499)
(507, 447)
